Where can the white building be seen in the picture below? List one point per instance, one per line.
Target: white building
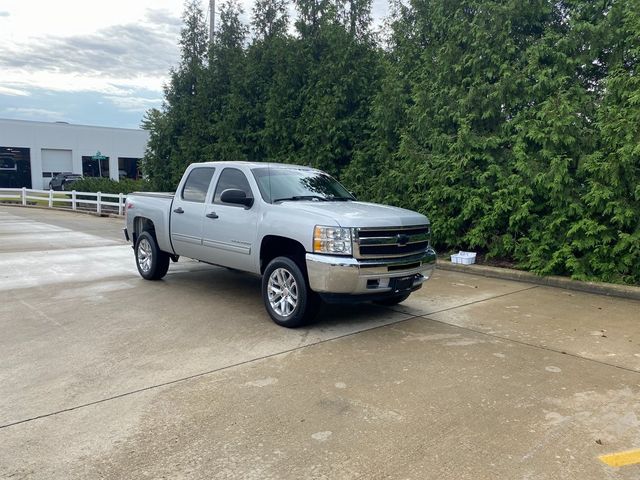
(32, 152)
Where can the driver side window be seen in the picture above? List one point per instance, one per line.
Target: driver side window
(231, 178)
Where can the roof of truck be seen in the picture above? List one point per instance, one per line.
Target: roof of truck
(257, 164)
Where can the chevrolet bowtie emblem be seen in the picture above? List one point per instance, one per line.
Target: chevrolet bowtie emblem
(402, 239)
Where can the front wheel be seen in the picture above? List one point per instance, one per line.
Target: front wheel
(286, 295)
(152, 262)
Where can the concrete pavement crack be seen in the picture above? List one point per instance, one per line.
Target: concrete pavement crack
(499, 337)
(197, 375)
(470, 303)
(320, 342)
(533, 345)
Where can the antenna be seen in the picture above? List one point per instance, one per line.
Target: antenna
(212, 21)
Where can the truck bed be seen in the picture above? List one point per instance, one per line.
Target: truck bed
(155, 207)
(154, 194)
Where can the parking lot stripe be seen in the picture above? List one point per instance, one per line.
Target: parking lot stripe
(621, 459)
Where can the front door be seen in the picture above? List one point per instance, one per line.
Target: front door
(229, 231)
(187, 213)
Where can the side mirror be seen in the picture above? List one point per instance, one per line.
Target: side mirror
(237, 197)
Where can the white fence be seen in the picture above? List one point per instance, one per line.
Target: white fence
(102, 203)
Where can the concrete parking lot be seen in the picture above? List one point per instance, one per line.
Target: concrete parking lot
(105, 375)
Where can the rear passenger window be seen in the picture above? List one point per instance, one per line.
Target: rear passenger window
(232, 178)
(197, 184)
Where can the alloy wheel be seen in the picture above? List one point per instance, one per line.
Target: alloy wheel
(283, 292)
(145, 255)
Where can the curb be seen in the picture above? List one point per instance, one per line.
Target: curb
(608, 289)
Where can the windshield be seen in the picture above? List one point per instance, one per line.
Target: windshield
(279, 184)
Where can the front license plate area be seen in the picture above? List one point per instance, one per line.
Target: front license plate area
(402, 283)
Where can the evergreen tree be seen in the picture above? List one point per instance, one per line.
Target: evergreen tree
(512, 125)
(283, 102)
(175, 131)
(607, 237)
(373, 173)
(270, 19)
(265, 59)
(340, 79)
(552, 134)
(155, 163)
(456, 149)
(224, 95)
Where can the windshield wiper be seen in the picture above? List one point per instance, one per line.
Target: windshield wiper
(339, 199)
(302, 197)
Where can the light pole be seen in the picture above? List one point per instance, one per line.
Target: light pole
(212, 19)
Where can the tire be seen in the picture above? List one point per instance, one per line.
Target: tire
(299, 305)
(391, 301)
(152, 262)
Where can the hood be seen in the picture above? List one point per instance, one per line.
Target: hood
(359, 214)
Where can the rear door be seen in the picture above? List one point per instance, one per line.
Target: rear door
(187, 213)
(229, 233)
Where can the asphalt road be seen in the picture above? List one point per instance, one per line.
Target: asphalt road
(105, 375)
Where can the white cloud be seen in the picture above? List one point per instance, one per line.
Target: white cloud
(30, 18)
(117, 54)
(13, 92)
(134, 104)
(134, 55)
(24, 80)
(32, 113)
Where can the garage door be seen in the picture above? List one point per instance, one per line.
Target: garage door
(55, 161)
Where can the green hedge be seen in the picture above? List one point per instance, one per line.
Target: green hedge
(106, 185)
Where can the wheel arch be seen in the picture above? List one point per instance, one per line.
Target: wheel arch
(143, 224)
(273, 246)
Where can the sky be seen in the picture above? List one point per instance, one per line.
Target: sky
(90, 62)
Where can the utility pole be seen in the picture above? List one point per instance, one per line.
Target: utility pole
(212, 19)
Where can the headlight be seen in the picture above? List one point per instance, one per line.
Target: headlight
(332, 240)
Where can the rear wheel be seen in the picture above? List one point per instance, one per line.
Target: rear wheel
(286, 294)
(152, 262)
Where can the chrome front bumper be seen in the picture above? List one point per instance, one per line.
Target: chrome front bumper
(350, 276)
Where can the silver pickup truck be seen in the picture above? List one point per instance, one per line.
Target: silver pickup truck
(297, 227)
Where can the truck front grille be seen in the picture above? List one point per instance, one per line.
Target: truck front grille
(390, 242)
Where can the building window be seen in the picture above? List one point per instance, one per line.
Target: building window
(8, 164)
(129, 167)
(15, 167)
(93, 168)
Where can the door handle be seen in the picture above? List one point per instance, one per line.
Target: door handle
(179, 210)
(212, 215)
